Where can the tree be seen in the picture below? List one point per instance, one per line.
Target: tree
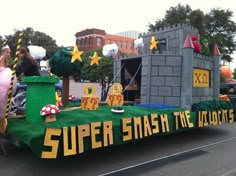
(31, 37)
(222, 78)
(221, 30)
(216, 26)
(61, 66)
(234, 74)
(178, 14)
(1, 41)
(102, 72)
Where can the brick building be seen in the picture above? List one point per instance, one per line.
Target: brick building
(91, 39)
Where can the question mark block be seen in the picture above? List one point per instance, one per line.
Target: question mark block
(89, 103)
(115, 99)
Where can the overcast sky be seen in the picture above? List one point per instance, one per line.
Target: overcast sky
(62, 19)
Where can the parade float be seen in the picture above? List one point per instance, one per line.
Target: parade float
(178, 90)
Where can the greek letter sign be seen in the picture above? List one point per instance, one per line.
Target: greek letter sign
(201, 78)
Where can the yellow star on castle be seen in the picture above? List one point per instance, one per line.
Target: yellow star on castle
(153, 43)
(95, 59)
(76, 54)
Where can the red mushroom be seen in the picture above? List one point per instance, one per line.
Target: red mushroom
(71, 97)
(49, 112)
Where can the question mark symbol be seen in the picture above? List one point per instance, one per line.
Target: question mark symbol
(119, 98)
(84, 102)
(111, 98)
(94, 102)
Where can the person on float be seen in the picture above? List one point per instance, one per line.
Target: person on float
(197, 46)
(5, 79)
(28, 66)
(205, 47)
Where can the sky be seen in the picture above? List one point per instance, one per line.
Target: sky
(62, 19)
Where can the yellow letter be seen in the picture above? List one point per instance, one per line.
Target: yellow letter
(127, 129)
(68, 151)
(200, 119)
(83, 131)
(204, 114)
(137, 128)
(225, 116)
(107, 133)
(219, 117)
(154, 123)
(176, 115)
(231, 115)
(214, 117)
(146, 126)
(51, 143)
(190, 124)
(164, 123)
(94, 133)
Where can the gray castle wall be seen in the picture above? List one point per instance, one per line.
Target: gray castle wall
(174, 36)
(167, 77)
(161, 79)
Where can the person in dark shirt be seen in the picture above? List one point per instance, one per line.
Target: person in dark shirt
(28, 66)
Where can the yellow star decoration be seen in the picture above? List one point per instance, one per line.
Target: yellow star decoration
(153, 43)
(95, 59)
(76, 54)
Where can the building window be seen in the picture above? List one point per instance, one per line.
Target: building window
(120, 45)
(90, 40)
(99, 42)
(82, 42)
(125, 45)
(131, 45)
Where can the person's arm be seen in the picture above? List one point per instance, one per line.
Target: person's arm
(23, 67)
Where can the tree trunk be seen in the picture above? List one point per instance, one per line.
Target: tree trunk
(65, 90)
(105, 90)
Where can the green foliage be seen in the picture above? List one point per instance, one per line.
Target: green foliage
(222, 78)
(31, 37)
(100, 72)
(10, 62)
(117, 107)
(234, 74)
(211, 105)
(1, 41)
(216, 26)
(61, 65)
(178, 14)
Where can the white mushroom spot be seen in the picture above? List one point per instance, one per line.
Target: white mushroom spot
(53, 111)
